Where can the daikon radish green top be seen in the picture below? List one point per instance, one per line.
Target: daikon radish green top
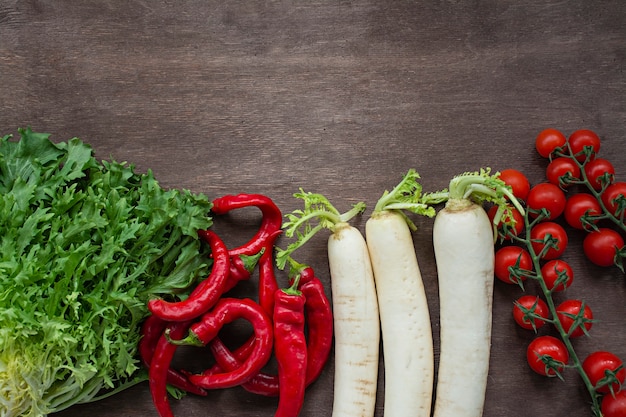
(407, 195)
(482, 187)
(301, 223)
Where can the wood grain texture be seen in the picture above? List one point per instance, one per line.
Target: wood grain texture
(337, 97)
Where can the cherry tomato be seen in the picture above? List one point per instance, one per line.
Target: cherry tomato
(614, 405)
(517, 181)
(548, 140)
(612, 196)
(507, 230)
(557, 270)
(601, 246)
(527, 304)
(571, 318)
(579, 208)
(596, 366)
(561, 171)
(599, 172)
(581, 139)
(552, 350)
(557, 242)
(508, 257)
(547, 196)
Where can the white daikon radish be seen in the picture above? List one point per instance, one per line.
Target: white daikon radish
(404, 313)
(356, 321)
(463, 241)
(355, 307)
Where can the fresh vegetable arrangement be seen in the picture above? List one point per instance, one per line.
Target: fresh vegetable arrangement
(84, 246)
(105, 274)
(377, 288)
(104, 271)
(355, 306)
(291, 324)
(582, 190)
(388, 284)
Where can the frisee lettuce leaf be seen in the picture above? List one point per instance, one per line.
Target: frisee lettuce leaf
(83, 245)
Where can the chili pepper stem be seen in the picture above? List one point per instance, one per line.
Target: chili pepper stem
(190, 340)
(251, 261)
(293, 288)
(294, 275)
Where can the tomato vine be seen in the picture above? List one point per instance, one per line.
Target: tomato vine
(581, 188)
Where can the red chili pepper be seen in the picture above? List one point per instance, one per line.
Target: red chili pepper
(160, 367)
(226, 311)
(267, 278)
(319, 318)
(319, 321)
(306, 274)
(241, 267)
(290, 349)
(206, 294)
(152, 329)
(271, 221)
(261, 383)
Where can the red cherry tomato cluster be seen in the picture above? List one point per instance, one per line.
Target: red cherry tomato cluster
(580, 192)
(588, 193)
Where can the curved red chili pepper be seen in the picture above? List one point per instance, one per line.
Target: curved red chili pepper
(267, 277)
(206, 294)
(319, 321)
(241, 266)
(290, 349)
(152, 329)
(268, 285)
(160, 366)
(271, 221)
(262, 383)
(226, 311)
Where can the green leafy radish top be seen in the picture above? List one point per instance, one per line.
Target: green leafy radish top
(300, 222)
(482, 187)
(407, 195)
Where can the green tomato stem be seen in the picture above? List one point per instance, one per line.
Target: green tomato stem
(565, 337)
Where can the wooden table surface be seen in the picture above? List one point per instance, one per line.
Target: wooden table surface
(340, 98)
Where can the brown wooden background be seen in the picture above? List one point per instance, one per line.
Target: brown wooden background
(338, 97)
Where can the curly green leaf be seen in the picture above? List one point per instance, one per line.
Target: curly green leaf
(318, 214)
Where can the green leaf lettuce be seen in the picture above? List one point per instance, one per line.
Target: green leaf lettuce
(83, 246)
